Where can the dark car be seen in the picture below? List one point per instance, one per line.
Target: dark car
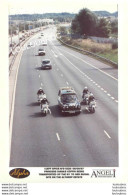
(46, 64)
(68, 101)
(41, 52)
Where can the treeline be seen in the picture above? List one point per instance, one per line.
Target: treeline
(87, 23)
(60, 17)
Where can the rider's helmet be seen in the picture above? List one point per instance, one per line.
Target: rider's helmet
(85, 89)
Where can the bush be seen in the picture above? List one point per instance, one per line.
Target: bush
(115, 45)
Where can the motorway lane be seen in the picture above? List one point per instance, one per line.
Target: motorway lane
(82, 64)
(55, 140)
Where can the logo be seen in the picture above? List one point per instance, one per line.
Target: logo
(19, 173)
(103, 173)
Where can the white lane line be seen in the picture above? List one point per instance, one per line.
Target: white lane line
(90, 65)
(116, 101)
(57, 69)
(13, 102)
(39, 76)
(108, 94)
(58, 136)
(112, 98)
(55, 55)
(107, 134)
(61, 75)
(41, 84)
(102, 89)
(67, 83)
(99, 86)
(105, 91)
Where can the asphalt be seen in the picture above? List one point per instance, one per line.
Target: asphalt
(89, 140)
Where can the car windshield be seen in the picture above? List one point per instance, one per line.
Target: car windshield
(68, 98)
(46, 62)
(41, 50)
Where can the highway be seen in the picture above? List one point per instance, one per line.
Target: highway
(84, 140)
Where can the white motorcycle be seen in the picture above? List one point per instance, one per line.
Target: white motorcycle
(45, 109)
(92, 106)
(40, 97)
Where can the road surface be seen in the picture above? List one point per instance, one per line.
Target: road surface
(84, 140)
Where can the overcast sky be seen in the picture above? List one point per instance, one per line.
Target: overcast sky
(72, 6)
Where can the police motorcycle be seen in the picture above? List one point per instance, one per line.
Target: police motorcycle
(45, 107)
(91, 104)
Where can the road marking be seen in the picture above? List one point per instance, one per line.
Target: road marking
(102, 89)
(13, 102)
(105, 91)
(39, 76)
(108, 94)
(61, 75)
(41, 84)
(107, 134)
(90, 65)
(67, 83)
(58, 136)
(116, 101)
(112, 98)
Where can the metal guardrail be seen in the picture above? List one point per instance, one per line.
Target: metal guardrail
(11, 53)
(89, 53)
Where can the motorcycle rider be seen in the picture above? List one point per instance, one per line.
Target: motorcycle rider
(85, 92)
(91, 98)
(45, 102)
(40, 91)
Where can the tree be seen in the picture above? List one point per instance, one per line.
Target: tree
(114, 27)
(85, 22)
(103, 28)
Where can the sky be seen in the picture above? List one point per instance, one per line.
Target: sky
(57, 6)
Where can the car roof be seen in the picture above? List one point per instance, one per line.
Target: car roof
(45, 60)
(67, 90)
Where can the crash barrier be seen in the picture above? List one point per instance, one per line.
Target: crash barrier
(14, 54)
(89, 53)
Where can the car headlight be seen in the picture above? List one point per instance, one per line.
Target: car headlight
(79, 106)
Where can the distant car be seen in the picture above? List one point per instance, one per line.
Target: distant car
(44, 43)
(46, 64)
(68, 101)
(42, 34)
(41, 52)
(30, 44)
(12, 44)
